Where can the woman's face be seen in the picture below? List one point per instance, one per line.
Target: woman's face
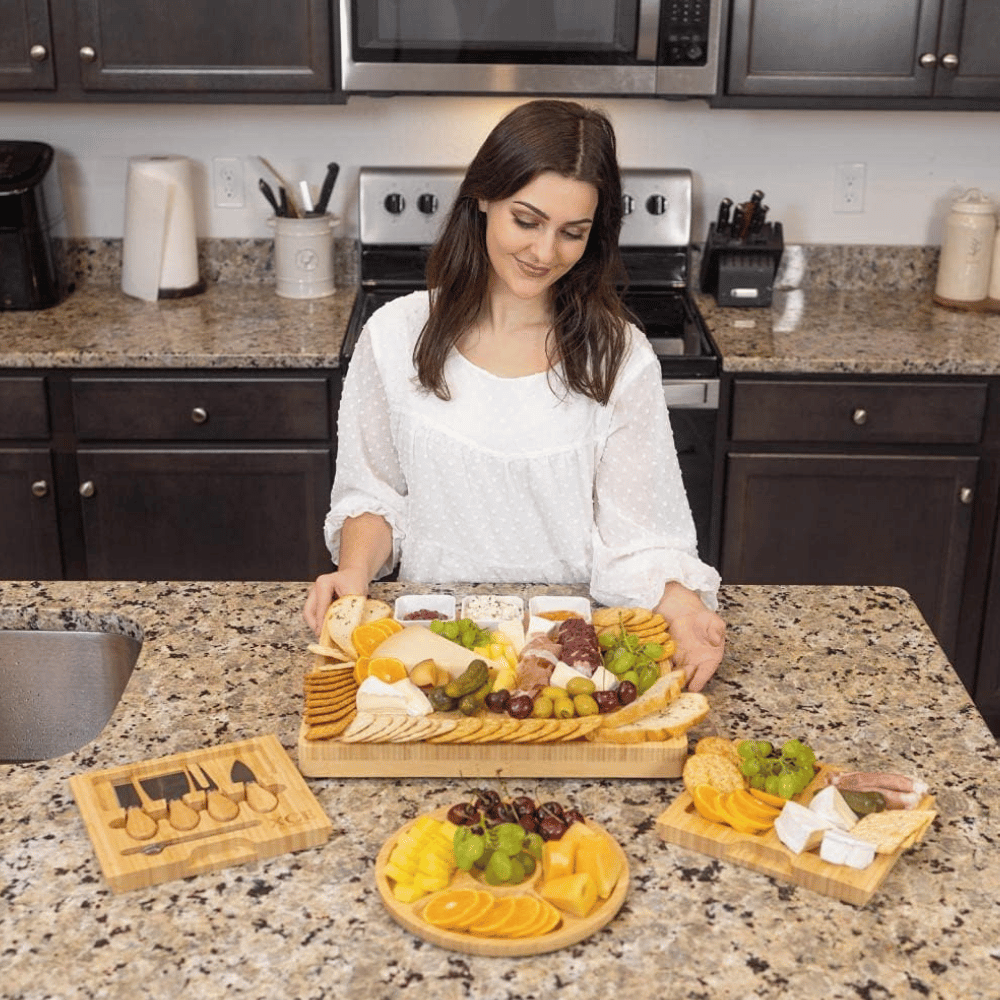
(534, 237)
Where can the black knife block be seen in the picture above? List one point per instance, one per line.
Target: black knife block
(740, 271)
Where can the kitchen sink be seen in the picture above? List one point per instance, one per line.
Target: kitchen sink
(59, 688)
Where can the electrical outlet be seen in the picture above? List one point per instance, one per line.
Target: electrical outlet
(849, 192)
(227, 181)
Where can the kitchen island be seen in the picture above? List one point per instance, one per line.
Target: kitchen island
(854, 670)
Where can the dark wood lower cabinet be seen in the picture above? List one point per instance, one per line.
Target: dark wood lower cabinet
(29, 536)
(220, 514)
(888, 520)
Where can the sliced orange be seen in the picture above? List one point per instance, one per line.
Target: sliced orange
(367, 638)
(387, 668)
(483, 904)
(448, 909)
(360, 669)
(706, 802)
(738, 821)
(549, 918)
(494, 917)
(746, 804)
(524, 914)
(766, 797)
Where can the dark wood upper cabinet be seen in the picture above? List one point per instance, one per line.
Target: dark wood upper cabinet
(881, 51)
(26, 56)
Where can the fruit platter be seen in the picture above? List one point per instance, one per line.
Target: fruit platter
(496, 877)
(776, 810)
(560, 691)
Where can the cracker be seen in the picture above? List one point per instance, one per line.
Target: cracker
(526, 730)
(508, 728)
(362, 721)
(560, 729)
(328, 652)
(464, 728)
(488, 731)
(720, 745)
(606, 617)
(712, 769)
(329, 730)
(321, 715)
(585, 724)
(385, 728)
(894, 829)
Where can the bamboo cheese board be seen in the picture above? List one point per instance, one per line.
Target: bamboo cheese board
(681, 824)
(190, 813)
(571, 929)
(572, 759)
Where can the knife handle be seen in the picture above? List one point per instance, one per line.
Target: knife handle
(259, 798)
(220, 807)
(139, 825)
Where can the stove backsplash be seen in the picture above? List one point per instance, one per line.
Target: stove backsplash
(251, 261)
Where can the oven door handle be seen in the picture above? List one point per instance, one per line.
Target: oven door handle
(692, 393)
(647, 31)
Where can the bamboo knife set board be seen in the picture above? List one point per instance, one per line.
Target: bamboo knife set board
(373, 693)
(196, 812)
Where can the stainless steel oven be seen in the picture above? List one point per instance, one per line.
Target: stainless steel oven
(668, 48)
(401, 210)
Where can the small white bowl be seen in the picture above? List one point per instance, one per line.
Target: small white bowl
(554, 602)
(408, 603)
(488, 610)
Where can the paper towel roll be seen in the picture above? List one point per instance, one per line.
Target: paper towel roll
(160, 247)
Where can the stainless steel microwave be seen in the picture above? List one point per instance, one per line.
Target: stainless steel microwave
(666, 48)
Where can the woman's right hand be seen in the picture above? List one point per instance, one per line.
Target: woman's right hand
(328, 587)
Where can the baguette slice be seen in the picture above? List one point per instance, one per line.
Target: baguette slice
(342, 618)
(374, 610)
(661, 694)
(685, 711)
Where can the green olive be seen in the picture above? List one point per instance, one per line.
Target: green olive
(580, 685)
(585, 705)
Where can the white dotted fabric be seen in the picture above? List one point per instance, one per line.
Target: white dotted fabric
(511, 480)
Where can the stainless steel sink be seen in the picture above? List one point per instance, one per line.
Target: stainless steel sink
(58, 689)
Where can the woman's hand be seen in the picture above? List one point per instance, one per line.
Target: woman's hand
(325, 589)
(700, 634)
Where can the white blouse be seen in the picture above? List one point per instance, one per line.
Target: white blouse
(513, 480)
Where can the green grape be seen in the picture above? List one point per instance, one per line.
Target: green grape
(758, 782)
(533, 844)
(750, 766)
(485, 859)
(653, 650)
(527, 862)
(468, 847)
(437, 626)
(746, 749)
(517, 871)
(763, 747)
(621, 661)
(606, 640)
(509, 838)
(771, 784)
(649, 674)
(786, 785)
(500, 868)
(803, 778)
(450, 630)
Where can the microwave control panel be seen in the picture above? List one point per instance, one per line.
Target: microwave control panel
(684, 33)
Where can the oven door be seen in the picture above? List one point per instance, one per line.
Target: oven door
(526, 46)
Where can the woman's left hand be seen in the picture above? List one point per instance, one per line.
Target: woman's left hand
(700, 634)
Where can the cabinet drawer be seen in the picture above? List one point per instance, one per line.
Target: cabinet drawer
(876, 412)
(195, 409)
(23, 409)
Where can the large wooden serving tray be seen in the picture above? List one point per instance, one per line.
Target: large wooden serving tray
(575, 759)
(682, 825)
(570, 931)
(280, 814)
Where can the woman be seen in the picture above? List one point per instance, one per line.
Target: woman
(509, 424)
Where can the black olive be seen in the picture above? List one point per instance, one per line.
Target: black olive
(551, 828)
(496, 701)
(520, 706)
(607, 701)
(463, 814)
(627, 693)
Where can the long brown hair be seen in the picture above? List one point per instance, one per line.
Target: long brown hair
(589, 330)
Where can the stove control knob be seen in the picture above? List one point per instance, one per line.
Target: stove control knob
(656, 204)
(427, 203)
(394, 203)
(628, 204)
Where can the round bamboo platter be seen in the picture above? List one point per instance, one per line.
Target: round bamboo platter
(569, 931)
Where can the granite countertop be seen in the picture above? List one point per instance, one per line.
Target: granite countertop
(854, 670)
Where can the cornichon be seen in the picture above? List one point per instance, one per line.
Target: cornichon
(863, 803)
(440, 701)
(475, 675)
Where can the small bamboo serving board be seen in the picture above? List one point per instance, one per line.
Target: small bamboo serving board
(573, 759)
(682, 825)
(231, 824)
(570, 931)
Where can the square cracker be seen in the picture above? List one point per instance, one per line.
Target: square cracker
(893, 829)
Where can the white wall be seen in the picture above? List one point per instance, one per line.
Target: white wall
(916, 162)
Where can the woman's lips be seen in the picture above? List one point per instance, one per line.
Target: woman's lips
(532, 270)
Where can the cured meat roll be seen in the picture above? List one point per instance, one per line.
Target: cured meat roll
(535, 665)
(580, 648)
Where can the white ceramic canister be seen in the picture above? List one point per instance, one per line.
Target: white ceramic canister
(967, 250)
(994, 289)
(303, 256)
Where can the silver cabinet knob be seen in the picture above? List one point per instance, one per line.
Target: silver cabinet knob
(199, 415)
(39, 53)
(860, 416)
(87, 489)
(40, 488)
(965, 494)
(928, 59)
(87, 54)
(949, 61)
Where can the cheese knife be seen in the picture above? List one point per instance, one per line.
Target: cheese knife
(171, 788)
(220, 807)
(139, 825)
(259, 798)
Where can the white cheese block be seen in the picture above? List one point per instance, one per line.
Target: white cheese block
(604, 680)
(562, 674)
(378, 698)
(840, 848)
(513, 629)
(415, 643)
(799, 828)
(830, 804)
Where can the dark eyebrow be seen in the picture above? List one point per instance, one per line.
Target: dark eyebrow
(538, 211)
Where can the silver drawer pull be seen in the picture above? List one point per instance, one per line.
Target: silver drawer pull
(965, 494)
(39, 53)
(860, 416)
(40, 488)
(199, 415)
(87, 489)
(87, 54)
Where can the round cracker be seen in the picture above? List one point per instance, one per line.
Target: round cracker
(712, 769)
(720, 745)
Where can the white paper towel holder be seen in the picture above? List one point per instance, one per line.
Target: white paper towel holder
(160, 247)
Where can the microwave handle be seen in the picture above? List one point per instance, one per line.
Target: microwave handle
(646, 36)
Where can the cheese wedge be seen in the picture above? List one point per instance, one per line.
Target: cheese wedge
(375, 697)
(799, 828)
(840, 848)
(830, 804)
(416, 642)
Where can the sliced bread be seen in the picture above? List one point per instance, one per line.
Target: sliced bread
(685, 711)
(342, 618)
(375, 609)
(661, 694)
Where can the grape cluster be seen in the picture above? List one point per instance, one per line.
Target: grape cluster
(504, 854)
(464, 631)
(629, 659)
(783, 771)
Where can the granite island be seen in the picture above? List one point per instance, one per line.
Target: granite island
(854, 670)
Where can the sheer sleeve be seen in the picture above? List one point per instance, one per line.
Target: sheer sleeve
(368, 477)
(644, 535)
